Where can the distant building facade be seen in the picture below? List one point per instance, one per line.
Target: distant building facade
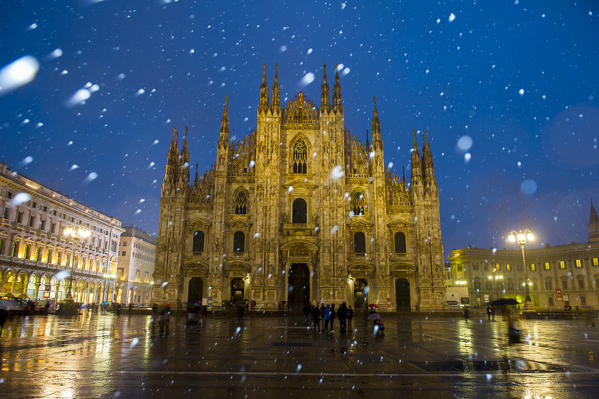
(299, 211)
(34, 249)
(557, 276)
(136, 259)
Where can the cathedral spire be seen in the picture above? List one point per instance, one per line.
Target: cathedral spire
(185, 149)
(264, 103)
(416, 166)
(324, 91)
(376, 125)
(276, 91)
(367, 142)
(337, 100)
(195, 180)
(427, 165)
(224, 124)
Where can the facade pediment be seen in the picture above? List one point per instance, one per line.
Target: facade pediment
(360, 222)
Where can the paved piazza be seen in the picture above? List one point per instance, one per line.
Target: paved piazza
(259, 356)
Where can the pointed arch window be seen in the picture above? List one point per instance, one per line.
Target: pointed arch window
(198, 241)
(359, 243)
(241, 203)
(300, 157)
(239, 241)
(358, 204)
(400, 243)
(300, 211)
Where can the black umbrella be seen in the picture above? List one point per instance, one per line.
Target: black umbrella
(504, 301)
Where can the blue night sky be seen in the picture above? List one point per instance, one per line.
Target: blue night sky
(517, 80)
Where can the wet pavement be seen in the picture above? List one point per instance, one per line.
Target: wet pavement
(257, 356)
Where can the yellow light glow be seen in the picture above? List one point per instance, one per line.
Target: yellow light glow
(521, 237)
(490, 277)
(511, 238)
(461, 282)
(530, 237)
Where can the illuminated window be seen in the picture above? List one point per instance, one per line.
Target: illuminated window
(14, 250)
(49, 256)
(497, 267)
(300, 157)
(38, 254)
(508, 267)
(533, 267)
(27, 251)
(595, 261)
(241, 203)
(578, 263)
(562, 264)
(547, 266)
(357, 204)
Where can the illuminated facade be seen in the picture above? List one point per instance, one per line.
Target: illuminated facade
(300, 210)
(137, 255)
(557, 276)
(34, 249)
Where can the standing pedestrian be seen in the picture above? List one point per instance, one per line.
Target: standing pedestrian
(327, 316)
(316, 317)
(342, 315)
(322, 309)
(306, 309)
(333, 314)
(489, 312)
(350, 315)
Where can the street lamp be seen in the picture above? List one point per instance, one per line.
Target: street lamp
(76, 234)
(522, 237)
(496, 277)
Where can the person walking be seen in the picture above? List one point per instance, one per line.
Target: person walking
(489, 312)
(342, 315)
(350, 315)
(327, 316)
(332, 317)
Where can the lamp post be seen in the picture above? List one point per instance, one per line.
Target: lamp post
(522, 237)
(496, 277)
(75, 234)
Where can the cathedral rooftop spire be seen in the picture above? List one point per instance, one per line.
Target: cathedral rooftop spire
(224, 123)
(324, 91)
(276, 91)
(264, 102)
(185, 150)
(337, 100)
(376, 125)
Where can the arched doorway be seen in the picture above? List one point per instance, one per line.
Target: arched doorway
(298, 293)
(402, 295)
(194, 292)
(360, 293)
(237, 286)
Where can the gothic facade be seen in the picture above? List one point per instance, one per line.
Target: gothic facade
(300, 210)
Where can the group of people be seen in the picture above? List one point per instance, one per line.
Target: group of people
(327, 314)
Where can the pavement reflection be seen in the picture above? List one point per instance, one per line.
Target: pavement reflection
(268, 356)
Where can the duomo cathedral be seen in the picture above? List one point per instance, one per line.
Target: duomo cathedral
(300, 210)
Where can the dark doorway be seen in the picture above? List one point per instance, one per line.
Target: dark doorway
(194, 292)
(402, 295)
(360, 294)
(237, 289)
(299, 286)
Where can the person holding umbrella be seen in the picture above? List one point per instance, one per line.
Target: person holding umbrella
(378, 325)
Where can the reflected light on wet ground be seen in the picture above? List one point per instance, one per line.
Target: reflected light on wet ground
(269, 356)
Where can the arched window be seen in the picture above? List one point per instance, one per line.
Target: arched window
(400, 243)
(300, 156)
(357, 204)
(198, 241)
(300, 211)
(241, 203)
(359, 242)
(239, 241)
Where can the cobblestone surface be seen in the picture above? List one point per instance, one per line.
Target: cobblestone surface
(275, 356)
